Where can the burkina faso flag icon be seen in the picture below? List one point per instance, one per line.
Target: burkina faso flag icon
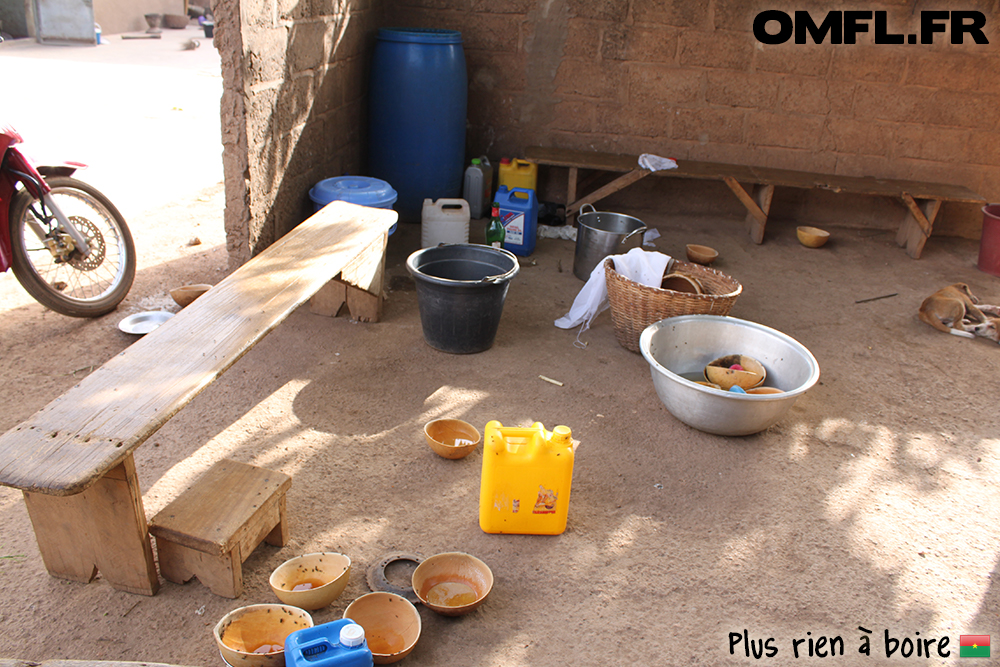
(974, 646)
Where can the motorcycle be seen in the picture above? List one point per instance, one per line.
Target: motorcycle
(65, 242)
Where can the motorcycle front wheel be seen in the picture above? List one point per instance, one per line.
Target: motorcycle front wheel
(68, 282)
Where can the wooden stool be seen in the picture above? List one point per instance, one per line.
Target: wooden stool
(211, 528)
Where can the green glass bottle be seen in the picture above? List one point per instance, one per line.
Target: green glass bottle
(495, 232)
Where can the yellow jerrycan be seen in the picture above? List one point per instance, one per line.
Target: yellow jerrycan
(527, 473)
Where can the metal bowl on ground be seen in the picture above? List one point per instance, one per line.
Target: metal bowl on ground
(140, 324)
(679, 348)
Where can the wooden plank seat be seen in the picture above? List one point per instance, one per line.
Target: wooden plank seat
(213, 526)
(73, 460)
(922, 200)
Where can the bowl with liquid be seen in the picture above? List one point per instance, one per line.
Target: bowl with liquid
(452, 583)
(254, 636)
(451, 438)
(311, 581)
(391, 623)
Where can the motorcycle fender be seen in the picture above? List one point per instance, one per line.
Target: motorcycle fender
(64, 169)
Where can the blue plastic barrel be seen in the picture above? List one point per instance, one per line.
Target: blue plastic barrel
(417, 101)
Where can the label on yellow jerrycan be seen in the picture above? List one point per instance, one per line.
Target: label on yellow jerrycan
(527, 473)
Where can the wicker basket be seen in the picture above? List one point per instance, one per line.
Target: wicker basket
(635, 306)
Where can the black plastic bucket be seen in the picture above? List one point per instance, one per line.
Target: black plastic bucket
(460, 291)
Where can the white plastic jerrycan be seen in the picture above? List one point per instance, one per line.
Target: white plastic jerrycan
(444, 221)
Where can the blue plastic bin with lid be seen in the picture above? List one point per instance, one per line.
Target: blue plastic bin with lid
(360, 190)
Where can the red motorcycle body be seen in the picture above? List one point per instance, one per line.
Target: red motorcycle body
(12, 156)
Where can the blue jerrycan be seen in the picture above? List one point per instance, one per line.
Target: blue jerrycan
(336, 644)
(519, 215)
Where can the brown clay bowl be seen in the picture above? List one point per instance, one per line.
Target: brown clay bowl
(679, 282)
(186, 294)
(391, 623)
(246, 636)
(446, 436)
(720, 373)
(764, 390)
(452, 583)
(175, 21)
(701, 254)
(812, 237)
(325, 574)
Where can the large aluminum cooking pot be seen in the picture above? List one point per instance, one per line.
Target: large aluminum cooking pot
(600, 234)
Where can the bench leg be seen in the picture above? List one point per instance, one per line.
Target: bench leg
(103, 528)
(574, 173)
(359, 286)
(223, 574)
(758, 206)
(614, 186)
(917, 225)
(329, 300)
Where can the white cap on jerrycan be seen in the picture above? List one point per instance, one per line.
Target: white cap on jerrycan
(444, 221)
(352, 635)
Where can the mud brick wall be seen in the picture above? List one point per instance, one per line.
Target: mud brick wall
(689, 80)
(672, 77)
(293, 112)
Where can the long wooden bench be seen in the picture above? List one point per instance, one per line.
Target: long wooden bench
(922, 200)
(73, 459)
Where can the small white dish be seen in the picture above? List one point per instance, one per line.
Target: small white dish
(141, 324)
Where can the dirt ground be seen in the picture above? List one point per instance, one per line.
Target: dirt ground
(873, 504)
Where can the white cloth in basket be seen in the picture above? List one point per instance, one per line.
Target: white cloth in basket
(637, 264)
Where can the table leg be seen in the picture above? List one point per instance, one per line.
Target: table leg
(101, 529)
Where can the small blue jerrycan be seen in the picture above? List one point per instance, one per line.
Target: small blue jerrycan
(336, 644)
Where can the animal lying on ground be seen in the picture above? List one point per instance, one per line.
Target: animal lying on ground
(988, 329)
(952, 309)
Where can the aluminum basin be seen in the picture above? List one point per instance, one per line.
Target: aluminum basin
(685, 344)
